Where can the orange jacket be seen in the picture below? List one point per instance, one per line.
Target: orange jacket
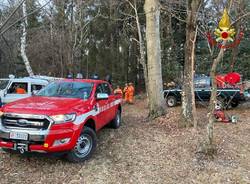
(125, 90)
(131, 90)
(20, 91)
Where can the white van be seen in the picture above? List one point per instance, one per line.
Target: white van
(8, 92)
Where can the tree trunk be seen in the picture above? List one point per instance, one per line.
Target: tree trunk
(155, 88)
(188, 97)
(23, 41)
(142, 59)
(209, 147)
(213, 101)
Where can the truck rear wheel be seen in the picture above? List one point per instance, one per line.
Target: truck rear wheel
(234, 104)
(171, 101)
(84, 147)
(116, 122)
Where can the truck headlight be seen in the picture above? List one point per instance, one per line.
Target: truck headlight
(62, 118)
(1, 114)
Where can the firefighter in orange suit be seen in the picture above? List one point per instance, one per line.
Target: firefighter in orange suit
(131, 91)
(125, 92)
(20, 90)
(118, 90)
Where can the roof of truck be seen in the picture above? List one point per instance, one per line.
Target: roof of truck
(83, 80)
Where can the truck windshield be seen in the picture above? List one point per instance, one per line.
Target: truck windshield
(67, 90)
(3, 84)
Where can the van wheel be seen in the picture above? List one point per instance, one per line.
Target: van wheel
(171, 101)
(116, 122)
(84, 147)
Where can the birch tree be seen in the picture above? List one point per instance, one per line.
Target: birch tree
(23, 40)
(140, 41)
(155, 87)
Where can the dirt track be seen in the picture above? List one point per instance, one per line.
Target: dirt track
(143, 152)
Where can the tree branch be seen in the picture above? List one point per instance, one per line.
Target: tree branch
(238, 19)
(15, 10)
(22, 18)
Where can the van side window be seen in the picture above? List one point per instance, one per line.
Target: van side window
(18, 88)
(36, 87)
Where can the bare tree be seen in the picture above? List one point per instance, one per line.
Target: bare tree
(155, 87)
(23, 41)
(140, 41)
(208, 147)
(188, 98)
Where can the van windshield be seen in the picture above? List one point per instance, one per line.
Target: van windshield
(67, 90)
(3, 84)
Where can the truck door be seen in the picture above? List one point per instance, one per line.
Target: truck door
(101, 106)
(16, 91)
(110, 105)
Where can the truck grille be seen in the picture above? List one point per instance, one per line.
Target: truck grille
(30, 122)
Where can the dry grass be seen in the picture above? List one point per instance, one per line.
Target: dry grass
(145, 152)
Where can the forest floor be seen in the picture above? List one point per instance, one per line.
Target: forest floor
(146, 152)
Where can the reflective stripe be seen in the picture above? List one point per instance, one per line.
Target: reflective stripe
(81, 118)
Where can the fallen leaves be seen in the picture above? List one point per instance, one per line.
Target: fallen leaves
(143, 151)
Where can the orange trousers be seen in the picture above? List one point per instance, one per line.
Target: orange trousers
(126, 97)
(131, 98)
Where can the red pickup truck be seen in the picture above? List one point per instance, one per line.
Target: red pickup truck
(62, 117)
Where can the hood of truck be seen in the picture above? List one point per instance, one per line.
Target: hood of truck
(46, 105)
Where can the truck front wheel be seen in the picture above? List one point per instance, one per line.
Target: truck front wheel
(84, 147)
(116, 122)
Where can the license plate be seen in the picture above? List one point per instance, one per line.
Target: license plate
(19, 136)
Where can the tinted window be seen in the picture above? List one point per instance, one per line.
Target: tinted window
(202, 82)
(36, 87)
(106, 88)
(16, 86)
(67, 90)
(99, 89)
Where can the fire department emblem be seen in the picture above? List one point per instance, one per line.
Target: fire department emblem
(224, 32)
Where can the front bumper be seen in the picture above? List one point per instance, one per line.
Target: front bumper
(43, 141)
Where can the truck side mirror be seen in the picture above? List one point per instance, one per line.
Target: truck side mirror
(102, 96)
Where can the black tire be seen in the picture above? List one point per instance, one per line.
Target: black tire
(84, 147)
(116, 122)
(234, 104)
(171, 101)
